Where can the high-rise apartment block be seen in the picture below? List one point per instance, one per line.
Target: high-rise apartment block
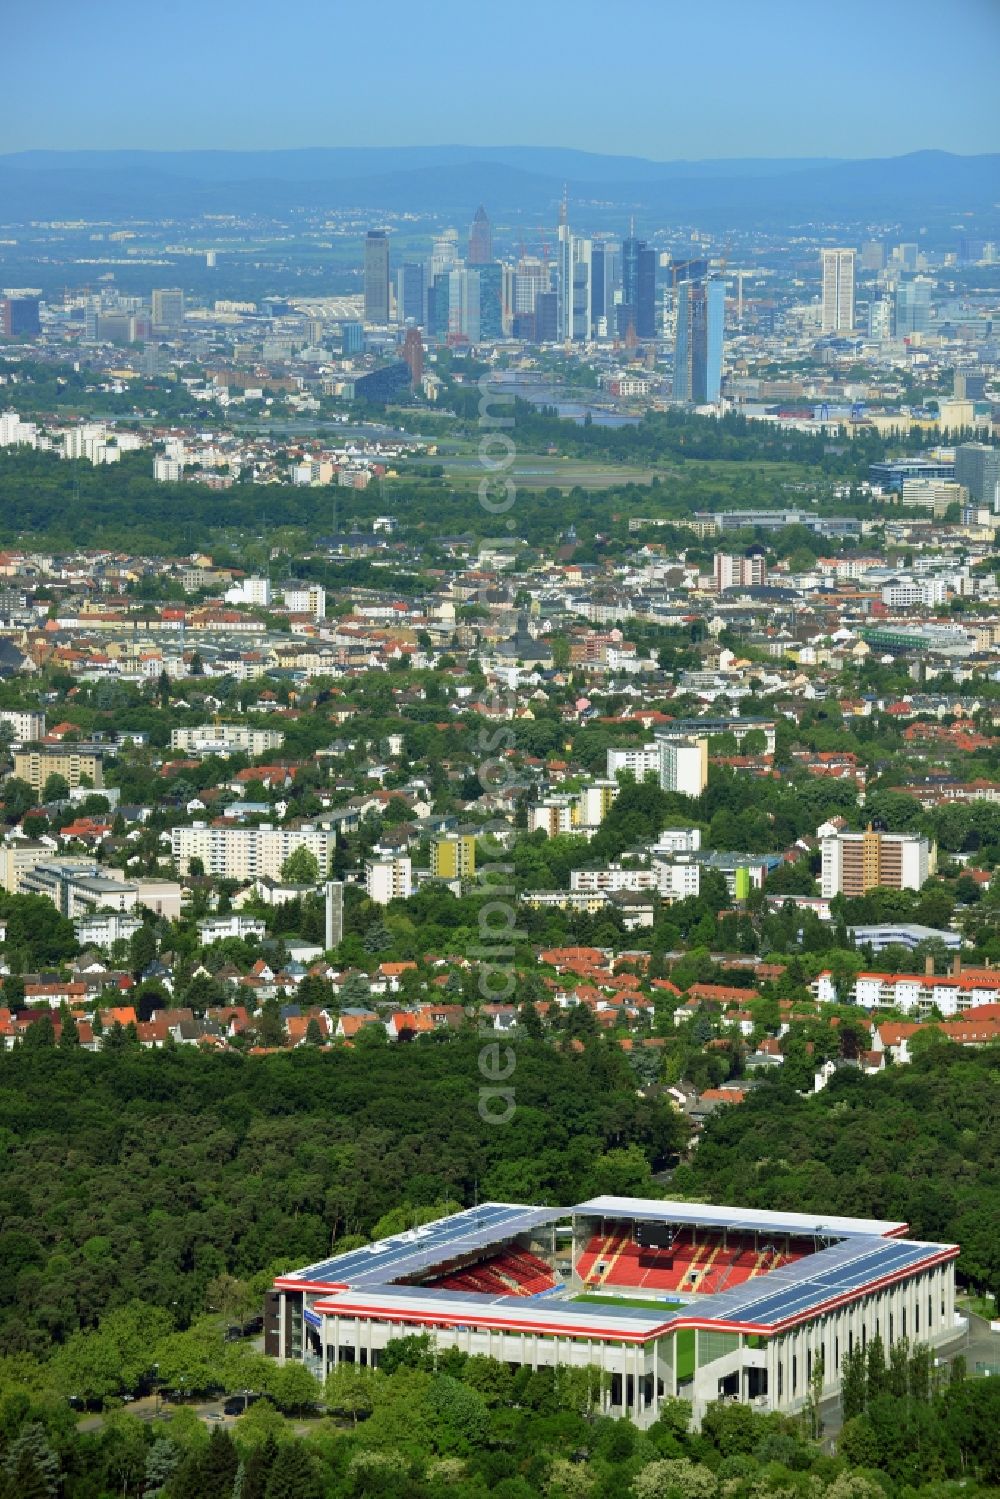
(838, 291)
(377, 277)
(247, 853)
(453, 857)
(388, 879)
(747, 571)
(854, 863)
(683, 765)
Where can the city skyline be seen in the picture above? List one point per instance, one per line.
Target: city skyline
(775, 76)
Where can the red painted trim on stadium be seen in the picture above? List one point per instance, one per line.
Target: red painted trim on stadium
(394, 1313)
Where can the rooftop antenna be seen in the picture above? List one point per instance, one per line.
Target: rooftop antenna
(564, 206)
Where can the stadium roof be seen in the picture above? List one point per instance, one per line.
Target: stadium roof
(768, 1304)
(811, 1225)
(421, 1248)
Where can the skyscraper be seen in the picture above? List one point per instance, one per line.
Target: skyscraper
(490, 300)
(701, 308)
(977, 466)
(480, 238)
(377, 277)
(413, 353)
(564, 277)
(638, 304)
(410, 292)
(598, 304)
(19, 315)
(838, 291)
(168, 307)
(913, 307)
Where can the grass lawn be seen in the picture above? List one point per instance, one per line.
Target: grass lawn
(656, 1306)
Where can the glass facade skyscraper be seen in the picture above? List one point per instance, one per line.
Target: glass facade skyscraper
(377, 277)
(701, 310)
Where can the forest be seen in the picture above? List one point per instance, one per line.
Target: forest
(449, 1427)
(132, 1175)
(920, 1143)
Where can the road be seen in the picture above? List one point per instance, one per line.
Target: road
(151, 1409)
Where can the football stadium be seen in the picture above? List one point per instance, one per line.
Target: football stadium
(665, 1298)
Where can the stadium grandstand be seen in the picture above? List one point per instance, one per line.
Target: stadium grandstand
(665, 1298)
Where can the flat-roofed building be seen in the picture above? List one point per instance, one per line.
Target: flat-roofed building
(854, 863)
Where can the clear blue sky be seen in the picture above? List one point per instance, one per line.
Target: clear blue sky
(658, 78)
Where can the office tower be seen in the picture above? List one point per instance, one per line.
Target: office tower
(638, 288)
(168, 307)
(645, 306)
(971, 249)
(880, 319)
(490, 300)
(913, 307)
(413, 353)
(377, 277)
(838, 290)
(873, 255)
(480, 238)
(581, 321)
(352, 337)
(977, 466)
(410, 292)
(444, 254)
(598, 287)
(463, 305)
(969, 385)
(547, 317)
(564, 276)
(530, 278)
(854, 863)
(698, 341)
(906, 256)
(19, 317)
(438, 305)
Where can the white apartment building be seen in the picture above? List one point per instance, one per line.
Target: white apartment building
(553, 816)
(908, 593)
(247, 854)
(18, 856)
(105, 928)
(17, 434)
(254, 591)
(612, 877)
(218, 928)
(224, 738)
(305, 598)
(677, 841)
(594, 802)
(388, 879)
(25, 725)
(854, 863)
(641, 760)
(683, 765)
(677, 879)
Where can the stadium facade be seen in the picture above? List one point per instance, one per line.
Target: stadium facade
(665, 1298)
